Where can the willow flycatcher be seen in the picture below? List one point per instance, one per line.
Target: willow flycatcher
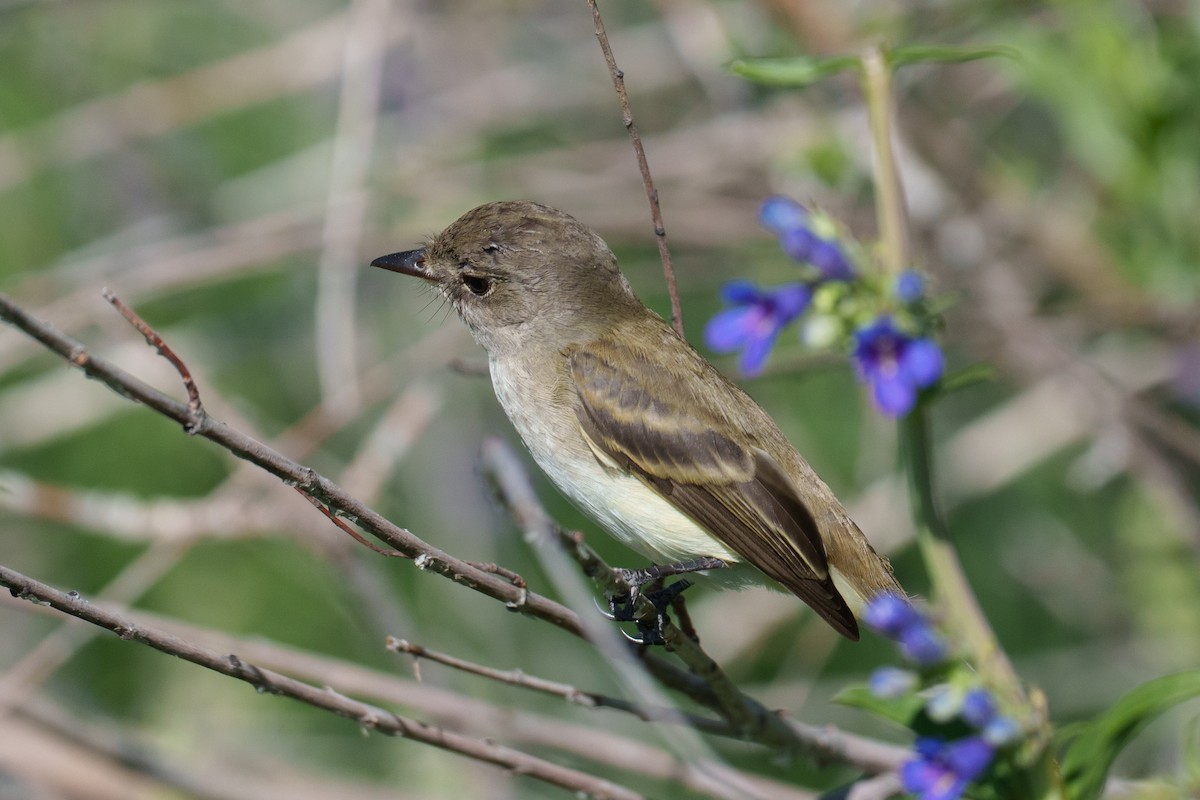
(631, 423)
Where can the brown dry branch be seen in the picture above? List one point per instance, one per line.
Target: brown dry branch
(54, 650)
(156, 341)
(462, 712)
(750, 718)
(427, 557)
(660, 231)
(346, 529)
(65, 756)
(270, 682)
(572, 694)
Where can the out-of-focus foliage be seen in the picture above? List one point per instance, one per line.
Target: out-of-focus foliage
(206, 161)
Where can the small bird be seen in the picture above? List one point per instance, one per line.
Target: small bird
(632, 424)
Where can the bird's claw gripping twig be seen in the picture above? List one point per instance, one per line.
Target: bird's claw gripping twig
(648, 583)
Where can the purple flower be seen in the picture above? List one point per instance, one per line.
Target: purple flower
(895, 618)
(923, 645)
(978, 708)
(890, 614)
(942, 770)
(755, 320)
(895, 365)
(831, 262)
(799, 244)
(1001, 731)
(781, 214)
(790, 221)
(909, 286)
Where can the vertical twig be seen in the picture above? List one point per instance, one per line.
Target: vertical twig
(660, 232)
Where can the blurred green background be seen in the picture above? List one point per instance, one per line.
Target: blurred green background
(229, 169)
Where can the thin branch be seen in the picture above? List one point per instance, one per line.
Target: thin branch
(464, 713)
(427, 557)
(571, 694)
(155, 340)
(660, 232)
(353, 534)
(267, 681)
(363, 50)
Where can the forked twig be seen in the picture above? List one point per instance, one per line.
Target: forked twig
(155, 340)
(660, 231)
(571, 694)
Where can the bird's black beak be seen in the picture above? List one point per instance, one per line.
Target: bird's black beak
(410, 262)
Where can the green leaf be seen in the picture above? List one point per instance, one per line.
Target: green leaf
(807, 70)
(946, 54)
(903, 710)
(798, 71)
(1090, 754)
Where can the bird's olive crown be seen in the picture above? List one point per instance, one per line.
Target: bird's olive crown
(513, 262)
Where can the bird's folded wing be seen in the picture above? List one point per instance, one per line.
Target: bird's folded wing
(733, 490)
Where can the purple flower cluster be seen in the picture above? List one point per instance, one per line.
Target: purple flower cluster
(897, 619)
(895, 364)
(943, 770)
(756, 316)
(792, 223)
(940, 769)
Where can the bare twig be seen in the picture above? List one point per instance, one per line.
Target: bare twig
(571, 694)
(504, 572)
(660, 231)
(21, 678)
(462, 712)
(426, 556)
(156, 341)
(353, 534)
(889, 190)
(267, 681)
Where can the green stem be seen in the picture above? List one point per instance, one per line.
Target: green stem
(954, 596)
(949, 583)
(950, 586)
(889, 192)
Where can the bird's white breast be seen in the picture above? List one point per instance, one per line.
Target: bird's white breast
(624, 505)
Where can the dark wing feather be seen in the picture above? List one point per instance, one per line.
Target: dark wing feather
(730, 488)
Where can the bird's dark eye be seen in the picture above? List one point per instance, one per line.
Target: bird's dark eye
(477, 284)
